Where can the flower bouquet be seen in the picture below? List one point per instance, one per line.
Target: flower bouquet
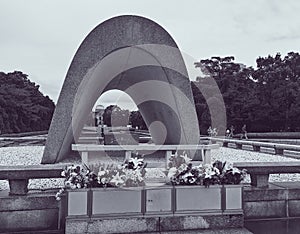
(130, 174)
(182, 172)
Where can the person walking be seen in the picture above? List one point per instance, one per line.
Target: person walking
(231, 132)
(244, 132)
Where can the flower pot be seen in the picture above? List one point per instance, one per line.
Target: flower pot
(198, 199)
(116, 201)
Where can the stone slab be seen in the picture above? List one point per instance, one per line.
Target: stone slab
(159, 200)
(294, 208)
(116, 201)
(130, 225)
(195, 198)
(217, 231)
(265, 209)
(269, 226)
(46, 219)
(162, 224)
(29, 202)
(273, 192)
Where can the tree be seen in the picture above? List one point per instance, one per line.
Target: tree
(115, 116)
(278, 90)
(234, 83)
(23, 108)
(136, 120)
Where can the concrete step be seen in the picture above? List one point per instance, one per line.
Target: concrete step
(36, 232)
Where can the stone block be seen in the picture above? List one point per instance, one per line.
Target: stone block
(265, 209)
(18, 187)
(28, 202)
(159, 200)
(294, 194)
(294, 208)
(77, 202)
(46, 219)
(233, 197)
(260, 181)
(174, 223)
(111, 201)
(225, 221)
(76, 226)
(268, 226)
(268, 194)
(197, 222)
(116, 225)
(198, 198)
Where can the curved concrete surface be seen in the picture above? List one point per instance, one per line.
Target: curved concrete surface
(135, 55)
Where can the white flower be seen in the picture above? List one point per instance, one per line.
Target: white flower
(182, 168)
(187, 175)
(172, 172)
(103, 180)
(186, 158)
(136, 162)
(101, 173)
(228, 166)
(117, 180)
(235, 170)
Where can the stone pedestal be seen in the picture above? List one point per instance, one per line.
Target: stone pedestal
(18, 187)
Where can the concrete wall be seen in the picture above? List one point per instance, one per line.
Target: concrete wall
(35, 211)
(280, 200)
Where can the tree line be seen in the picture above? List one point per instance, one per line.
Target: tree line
(266, 99)
(23, 108)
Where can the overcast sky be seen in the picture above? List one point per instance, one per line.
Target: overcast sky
(40, 37)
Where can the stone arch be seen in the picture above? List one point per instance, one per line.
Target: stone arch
(137, 56)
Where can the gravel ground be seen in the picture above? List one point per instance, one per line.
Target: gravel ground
(32, 155)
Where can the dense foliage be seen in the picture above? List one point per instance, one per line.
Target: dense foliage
(23, 108)
(266, 98)
(115, 116)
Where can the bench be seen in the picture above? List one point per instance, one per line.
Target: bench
(279, 148)
(86, 149)
(18, 176)
(260, 171)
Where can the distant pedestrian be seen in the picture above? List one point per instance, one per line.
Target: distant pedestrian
(212, 131)
(227, 133)
(244, 132)
(231, 132)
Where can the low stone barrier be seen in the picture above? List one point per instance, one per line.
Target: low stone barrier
(24, 211)
(260, 171)
(279, 148)
(18, 176)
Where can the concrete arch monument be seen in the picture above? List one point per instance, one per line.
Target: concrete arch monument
(135, 55)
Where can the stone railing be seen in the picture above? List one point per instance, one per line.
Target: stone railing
(85, 151)
(279, 148)
(18, 176)
(260, 171)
